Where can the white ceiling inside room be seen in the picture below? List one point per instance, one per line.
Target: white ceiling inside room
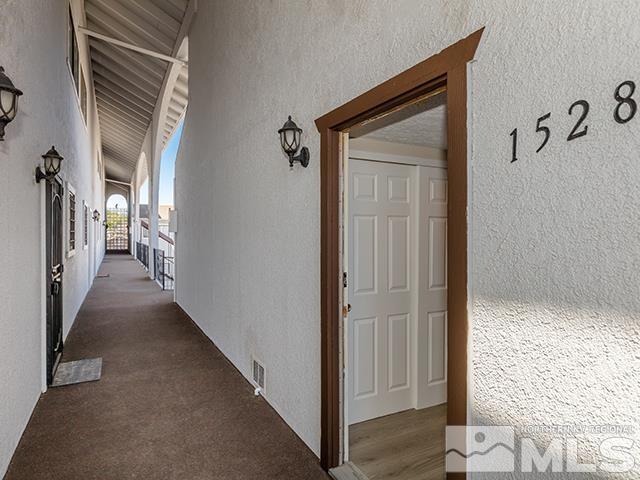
(423, 123)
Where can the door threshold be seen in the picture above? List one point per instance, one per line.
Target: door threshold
(347, 471)
(56, 364)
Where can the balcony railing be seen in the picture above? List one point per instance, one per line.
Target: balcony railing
(163, 269)
(164, 265)
(142, 254)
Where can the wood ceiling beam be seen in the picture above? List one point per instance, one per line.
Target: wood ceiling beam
(135, 48)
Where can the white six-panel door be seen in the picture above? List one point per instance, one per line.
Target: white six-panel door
(380, 288)
(397, 264)
(432, 298)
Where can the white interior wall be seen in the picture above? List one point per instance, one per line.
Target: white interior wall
(33, 46)
(553, 237)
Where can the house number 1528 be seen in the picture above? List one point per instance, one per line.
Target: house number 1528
(625, 109)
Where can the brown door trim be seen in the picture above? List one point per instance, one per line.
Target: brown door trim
(446, 68)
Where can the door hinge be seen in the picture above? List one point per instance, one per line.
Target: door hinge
(344, 280)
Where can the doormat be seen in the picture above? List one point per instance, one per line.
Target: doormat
(106, 275)
(79, 371)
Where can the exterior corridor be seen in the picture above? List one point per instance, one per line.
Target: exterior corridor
(169, 405)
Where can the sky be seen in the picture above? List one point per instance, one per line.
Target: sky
(168, 167)
(167, 171)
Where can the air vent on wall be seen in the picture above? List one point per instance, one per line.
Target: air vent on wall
(258, 376)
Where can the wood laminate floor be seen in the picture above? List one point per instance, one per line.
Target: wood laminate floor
(404, 446)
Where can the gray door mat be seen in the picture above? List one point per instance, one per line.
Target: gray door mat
(79, 371)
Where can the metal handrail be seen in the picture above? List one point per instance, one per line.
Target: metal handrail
(163, 269)
(142, 254)
(163, 236)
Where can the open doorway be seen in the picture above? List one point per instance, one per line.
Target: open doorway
(117, 224)
(395, 253)
(447, 70)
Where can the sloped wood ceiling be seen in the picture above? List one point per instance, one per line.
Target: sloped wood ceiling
(128, 83)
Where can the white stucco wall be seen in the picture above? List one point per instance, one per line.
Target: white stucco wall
(33, 50)
(553, 238)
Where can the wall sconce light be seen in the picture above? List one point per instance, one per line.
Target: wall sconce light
(8, 101)
(96, 216)
(290, 141)
(52, 164)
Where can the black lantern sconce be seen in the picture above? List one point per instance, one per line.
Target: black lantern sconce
(96, 216)
(8, 101)
(290, 140)
(52, 164)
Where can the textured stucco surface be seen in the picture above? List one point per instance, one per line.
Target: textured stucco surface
(33, 52)
(555, 251)
(553, 238)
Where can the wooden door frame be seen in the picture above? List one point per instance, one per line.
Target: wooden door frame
(447, 68)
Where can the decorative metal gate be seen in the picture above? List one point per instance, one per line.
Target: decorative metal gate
(117, 229)
(54, 275)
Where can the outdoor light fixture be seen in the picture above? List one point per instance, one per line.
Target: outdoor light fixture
(8, 101)
(52, 163)
(290, 141)
(96, 216)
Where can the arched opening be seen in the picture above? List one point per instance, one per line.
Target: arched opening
(117, 223)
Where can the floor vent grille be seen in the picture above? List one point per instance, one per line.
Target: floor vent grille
(258, 374)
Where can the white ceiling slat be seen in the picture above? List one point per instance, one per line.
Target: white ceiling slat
(121, 92)
(103, 93)
(128, 18)
(125, 150)
(130, 60)
(113, 27)
(116, 131)
(175, 8)
(132, 74)
(124, 84)
(116, 108)
(155, 15)
(127, 125)
(134, 137)
(178, 103)
(183, 91)
(173, 113)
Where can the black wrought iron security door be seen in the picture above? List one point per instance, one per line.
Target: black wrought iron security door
(117, 229)
(54, 276)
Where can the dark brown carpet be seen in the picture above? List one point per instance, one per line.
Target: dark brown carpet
(169, 405)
